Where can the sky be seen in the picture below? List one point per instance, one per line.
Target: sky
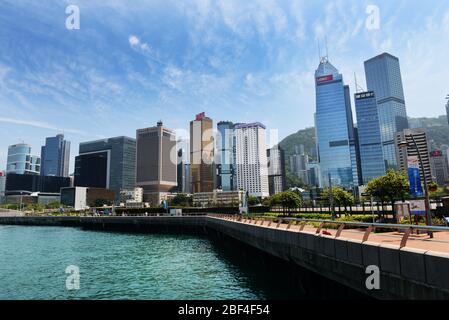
(132, 63)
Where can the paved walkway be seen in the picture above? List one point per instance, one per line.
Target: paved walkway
(440, 242)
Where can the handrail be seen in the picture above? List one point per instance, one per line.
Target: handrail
(370, 227)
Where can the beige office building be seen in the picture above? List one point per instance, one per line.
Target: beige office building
(202, 154)
(405, 154)
(156, 163)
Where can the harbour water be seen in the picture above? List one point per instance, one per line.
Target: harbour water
(33, 263)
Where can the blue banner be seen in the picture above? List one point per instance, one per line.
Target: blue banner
(414, 178)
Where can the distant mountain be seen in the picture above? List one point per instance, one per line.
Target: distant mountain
(437, 131)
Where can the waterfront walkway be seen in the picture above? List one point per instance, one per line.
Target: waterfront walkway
(440, 242)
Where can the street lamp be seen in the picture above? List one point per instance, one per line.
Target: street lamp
(405, 145)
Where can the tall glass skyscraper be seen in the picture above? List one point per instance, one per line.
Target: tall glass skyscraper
(383, 76)
(334, 128)
(370, 141)
(225, 156)
(55, 157)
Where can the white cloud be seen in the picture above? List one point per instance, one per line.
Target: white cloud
(39, 124)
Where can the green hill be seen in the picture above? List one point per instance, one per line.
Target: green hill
(437, 131)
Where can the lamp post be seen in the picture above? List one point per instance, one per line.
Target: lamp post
(404, 145)
(331, 197)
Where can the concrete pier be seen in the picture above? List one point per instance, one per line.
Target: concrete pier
(406, 273)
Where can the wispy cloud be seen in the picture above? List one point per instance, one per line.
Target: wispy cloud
(41, 125)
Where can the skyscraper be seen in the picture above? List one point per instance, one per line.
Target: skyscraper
(370, 140)
(439, 167)
(225, 156)
(334, 128)
(298, 164)
(276, 170)
(404, 155)
(108, 163)
(251, 159)
(55, 157)
(183, 166)
(447, 109)
(383, 76)
(156, 169)
(202, 154)
(21, 161)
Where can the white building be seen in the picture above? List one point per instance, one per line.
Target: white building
(251, 159)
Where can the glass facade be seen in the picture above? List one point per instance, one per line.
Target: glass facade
(21, 161)
(35, 183)
(334, 128)
(369, 136)
(225, 157)
(383, 76)
(55, 157)
(113, 160)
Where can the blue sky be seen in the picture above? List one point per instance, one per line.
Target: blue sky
(134, 62)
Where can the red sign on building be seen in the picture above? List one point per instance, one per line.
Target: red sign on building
(200, 116)
(436, 153)
(325, 79)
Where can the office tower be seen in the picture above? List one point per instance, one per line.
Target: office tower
(55, 157)
(276, 170)
(383, 76)
(34, 183)
(108, 163)
(202, 171)
(156, 162)
(225, 156)
(369, 136)
(334, 128)
(183, 167)
(251, 159)
(21, 161)
(314, 174)
(447, 109)
(439, 167)
(2, 186)
(404, 155)
(298, 163)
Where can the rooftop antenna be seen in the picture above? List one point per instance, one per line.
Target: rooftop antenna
(319, 51)
(327, 50)
(358, 88)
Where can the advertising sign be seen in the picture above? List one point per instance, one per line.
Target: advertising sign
(200, 116)
(414, 177)
(418, 207)
(325, 79)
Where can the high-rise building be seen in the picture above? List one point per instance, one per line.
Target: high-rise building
(298, 163)
(108, 164)
(447, 109)
(183, 167)
(405, 154)
(383, 76)
(251, 159)
(55, 157)
(439, 167)
(369, 136)
(276, 170)
(225, 156)
(2, 186)
(21, 161)
(202, 148)
(334, 128)
(314, 174)
(156, 169)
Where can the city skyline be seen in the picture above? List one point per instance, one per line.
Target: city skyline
(165, 58)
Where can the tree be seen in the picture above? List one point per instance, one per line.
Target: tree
(389, 188)
(287, 200)
(181, 200)
(253, 201)
(341, 197)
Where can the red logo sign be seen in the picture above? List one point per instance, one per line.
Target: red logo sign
(200, 116)
(325, 79)
(436, 153)
(2, 173)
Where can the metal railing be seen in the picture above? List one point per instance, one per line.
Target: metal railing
(407, 230)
